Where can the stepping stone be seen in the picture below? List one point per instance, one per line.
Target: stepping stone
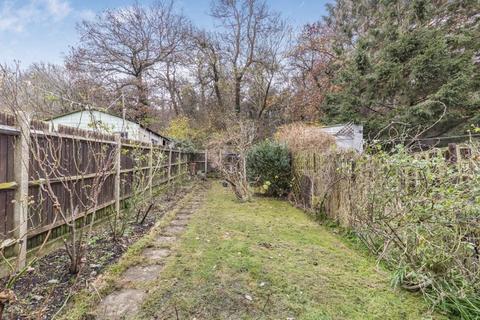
(174, 230)
(156, 254)
(123, 304)
(179, 222)
(163, 239)
(142, 273)
(183, 217)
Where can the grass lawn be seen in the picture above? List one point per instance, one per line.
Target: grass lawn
(268, 260)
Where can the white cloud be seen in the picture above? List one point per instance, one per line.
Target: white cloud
(58, 8)
(16, 16)
(86, 14)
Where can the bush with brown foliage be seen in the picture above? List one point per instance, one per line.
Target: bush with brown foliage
(302, 137)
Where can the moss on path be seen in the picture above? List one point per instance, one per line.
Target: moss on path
(268, 260)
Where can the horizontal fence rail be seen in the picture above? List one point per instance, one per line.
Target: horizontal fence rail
(27, 215)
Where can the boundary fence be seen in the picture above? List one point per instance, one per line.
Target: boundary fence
(311, 188)
(27, 216)
(418, 212)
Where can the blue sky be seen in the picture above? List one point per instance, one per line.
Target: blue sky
(43, 30)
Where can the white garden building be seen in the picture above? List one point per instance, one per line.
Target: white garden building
(110, 124)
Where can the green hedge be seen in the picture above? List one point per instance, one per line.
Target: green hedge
(268, 167)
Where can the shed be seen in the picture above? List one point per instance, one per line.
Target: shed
(111, 124)
(347, 136)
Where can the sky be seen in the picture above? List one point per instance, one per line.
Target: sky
(44, 30)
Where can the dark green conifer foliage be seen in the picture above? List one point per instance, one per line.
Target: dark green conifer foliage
(406, 62)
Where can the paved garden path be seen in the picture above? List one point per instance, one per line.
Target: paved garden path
(134, 283)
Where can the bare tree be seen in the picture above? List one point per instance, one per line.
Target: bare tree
(245, 25)
(141, 183)
(172, 79)
(125, 46)
(312, 67)
(228, 153)
(62, 162)
(208, 64)
(61, 90)
(268, 73)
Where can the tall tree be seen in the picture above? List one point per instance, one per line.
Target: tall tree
(412, 64)
(125, 46)
(61, 90)
(208, 60)
(244, 26)
(312, 70)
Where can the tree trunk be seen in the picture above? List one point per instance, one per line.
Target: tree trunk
(216, 80)
(265, 98)
(143, 103)
(172, 89)
(238, 82)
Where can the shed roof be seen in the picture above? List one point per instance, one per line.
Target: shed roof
(110, 114)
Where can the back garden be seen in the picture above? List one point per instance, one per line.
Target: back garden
(288, 228)
(261, 260)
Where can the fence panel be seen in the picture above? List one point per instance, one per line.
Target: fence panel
(7, 183)
(74, 158)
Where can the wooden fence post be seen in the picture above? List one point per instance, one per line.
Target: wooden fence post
(452, 153)
(169, 176)
(150, 171)
(118, 168)
(21, 168)
(179, 163)
(206, 167)
(181, 159)
(186, 162)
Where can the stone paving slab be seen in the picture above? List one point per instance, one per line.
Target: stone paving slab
(141, 274)
(156, 254)
(184, 212)
(174, 230)
(165, 240)
(183, 216)
(123, 304)
(179, 222)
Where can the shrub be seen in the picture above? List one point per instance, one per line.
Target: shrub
(185, 133)
(268, 166)
(301, 137)
(416, 211)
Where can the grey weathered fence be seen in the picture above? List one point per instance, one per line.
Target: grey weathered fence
(27, 215)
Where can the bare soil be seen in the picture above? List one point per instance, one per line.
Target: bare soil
(47, 287)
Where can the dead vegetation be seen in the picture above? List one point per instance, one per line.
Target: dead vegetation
(228, 151)
(302, 137)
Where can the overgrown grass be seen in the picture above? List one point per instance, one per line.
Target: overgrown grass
(268, 260)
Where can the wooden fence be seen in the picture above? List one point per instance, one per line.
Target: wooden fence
(418, 212)
(27, 215)
(308, 167)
